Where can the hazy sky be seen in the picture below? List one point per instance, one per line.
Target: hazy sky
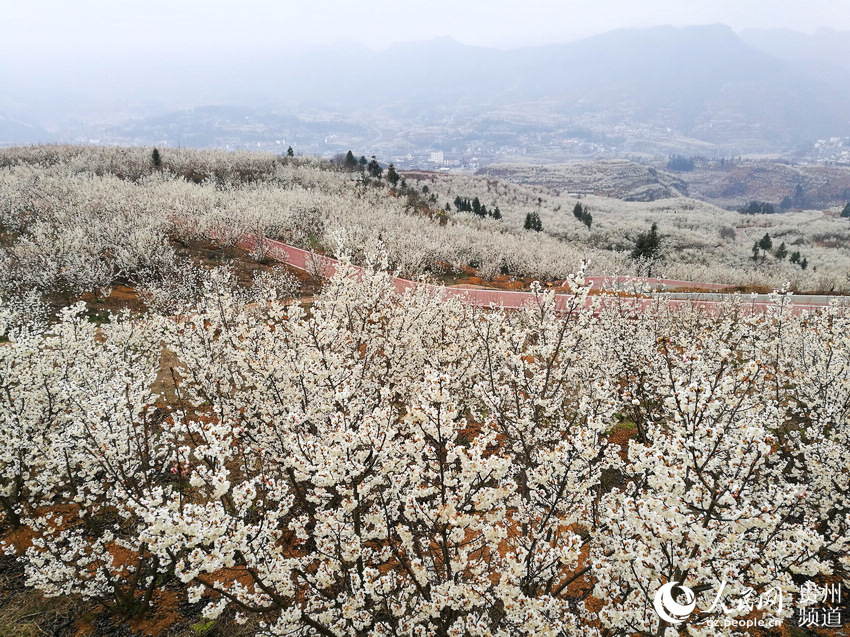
(44, 29)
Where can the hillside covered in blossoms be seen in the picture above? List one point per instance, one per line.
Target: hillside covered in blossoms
(202, 440)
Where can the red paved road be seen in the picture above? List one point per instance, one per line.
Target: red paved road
(315, 263)
(620, 281)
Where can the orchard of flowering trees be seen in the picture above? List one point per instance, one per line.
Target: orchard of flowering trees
(379, 463)
(82, 218)
(410, 465)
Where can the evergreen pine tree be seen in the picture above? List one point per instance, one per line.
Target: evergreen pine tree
(374, 168)
(781, 251)
(532, 222)
(497, 214)
(290, 152)
(846, 211)
(392, 175)
(578, 211)
(156, 159)
(647, 244)
(765, 242)
(350, 161)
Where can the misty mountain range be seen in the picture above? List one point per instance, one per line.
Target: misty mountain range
(694, 89)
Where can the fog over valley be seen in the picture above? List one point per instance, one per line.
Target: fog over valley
(406, 86)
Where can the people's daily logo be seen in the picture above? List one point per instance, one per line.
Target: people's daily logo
(668, 608)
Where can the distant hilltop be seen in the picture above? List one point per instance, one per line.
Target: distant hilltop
(649, 92)
(620, 179)
(729, 183)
